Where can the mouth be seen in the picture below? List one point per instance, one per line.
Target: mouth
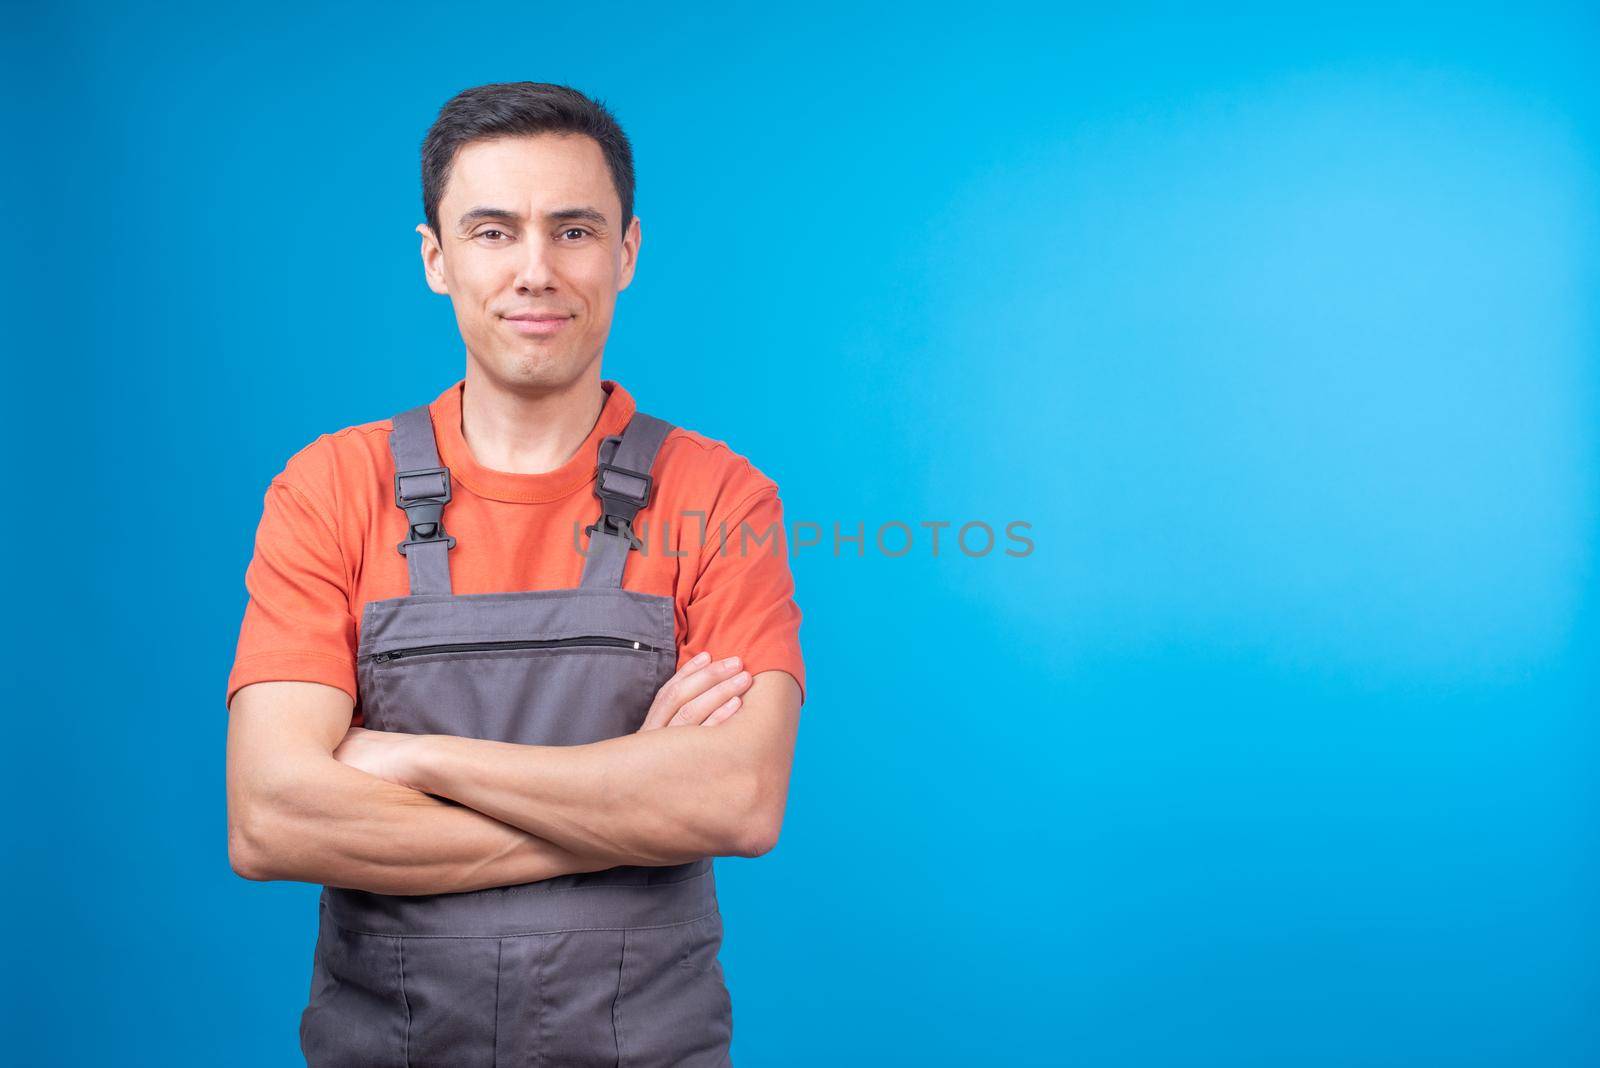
(538, 326)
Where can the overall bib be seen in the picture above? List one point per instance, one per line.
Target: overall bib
(616, 967)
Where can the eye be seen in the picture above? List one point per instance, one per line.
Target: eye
(575, 230)
(486, 233)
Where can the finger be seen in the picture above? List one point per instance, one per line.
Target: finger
(659, 709)
(686, 687)
(698, 682)
(690, 666)
(694, 712)
(729, 707)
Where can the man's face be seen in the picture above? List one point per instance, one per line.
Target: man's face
(533, 253)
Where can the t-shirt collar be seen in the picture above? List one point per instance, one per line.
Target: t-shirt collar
(509, 486)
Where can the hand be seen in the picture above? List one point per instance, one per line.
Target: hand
(702, 693)
(381, 753)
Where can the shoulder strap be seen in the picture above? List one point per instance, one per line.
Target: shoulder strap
(422, 488)
(622, 482)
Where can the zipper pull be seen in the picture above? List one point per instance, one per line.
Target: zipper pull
(636, 645)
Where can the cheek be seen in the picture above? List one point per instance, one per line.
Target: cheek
(479, 282)
(475, 278)
(600, 289)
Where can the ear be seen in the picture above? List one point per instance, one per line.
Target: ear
(432, 260)
(630, 252)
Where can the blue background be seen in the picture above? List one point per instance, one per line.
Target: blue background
(1279, 329)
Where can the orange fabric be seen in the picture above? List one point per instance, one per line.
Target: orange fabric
(329, 526)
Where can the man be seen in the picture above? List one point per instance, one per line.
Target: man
(517, 663)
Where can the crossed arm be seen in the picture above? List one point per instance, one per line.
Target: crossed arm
(705, 786)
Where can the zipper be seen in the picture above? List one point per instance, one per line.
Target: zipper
(524, 643)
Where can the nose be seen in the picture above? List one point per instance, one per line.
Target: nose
(535, 272)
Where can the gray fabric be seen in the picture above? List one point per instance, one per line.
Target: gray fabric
(634, 450)
(419, 620)
(414, 449)
(412, 443)
(522, 1000)
(615, 967)
(627, 897)
(429, 567)
(604, 559)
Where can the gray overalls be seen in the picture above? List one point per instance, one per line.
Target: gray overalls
(616, 967)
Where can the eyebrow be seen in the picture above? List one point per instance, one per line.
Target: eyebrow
(585, 214)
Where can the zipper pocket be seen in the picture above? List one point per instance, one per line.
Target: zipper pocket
(524, 643)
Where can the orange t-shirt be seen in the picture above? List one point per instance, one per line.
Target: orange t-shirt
(329, 526)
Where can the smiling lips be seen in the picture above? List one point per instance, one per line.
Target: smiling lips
(537, 324)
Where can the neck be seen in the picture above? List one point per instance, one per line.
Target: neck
(528, 432)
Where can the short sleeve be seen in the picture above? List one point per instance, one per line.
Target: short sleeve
(297, 623)
(742, 603)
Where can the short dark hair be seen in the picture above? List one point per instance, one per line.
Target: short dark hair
(509, 109)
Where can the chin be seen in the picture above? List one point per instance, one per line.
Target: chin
(536, 367)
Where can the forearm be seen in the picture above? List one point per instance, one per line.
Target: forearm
(342, 827)
(655, 797)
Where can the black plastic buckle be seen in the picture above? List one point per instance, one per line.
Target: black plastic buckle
(424, 514)
(448, 539)
(402, 499)
(614, 524)
(627, 498)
